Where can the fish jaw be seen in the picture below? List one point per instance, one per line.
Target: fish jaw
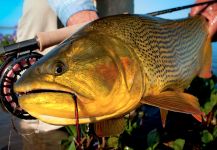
(54, 104)
(57, 105)
(52, 107)
(47, 104)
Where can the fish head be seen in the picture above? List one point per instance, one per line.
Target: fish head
(100, 71)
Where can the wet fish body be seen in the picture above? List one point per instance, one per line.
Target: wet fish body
(115, 64)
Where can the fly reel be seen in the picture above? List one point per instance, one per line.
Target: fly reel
(17, 58)
(10, 71)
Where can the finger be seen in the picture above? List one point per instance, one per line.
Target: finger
(213, 26)
(211, 15)
(199, 9)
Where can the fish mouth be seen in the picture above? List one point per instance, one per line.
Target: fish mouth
(50, 106)
(47, 100)
(53, 103)
(47, 87)
(44, 91)
(39, 87)
(57, 107)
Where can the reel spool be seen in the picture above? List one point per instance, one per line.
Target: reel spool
(10, 71)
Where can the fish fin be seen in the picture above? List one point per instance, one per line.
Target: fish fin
(205, 71)
(174, 101)
(163, 114)
(110, 127)
(197, 117)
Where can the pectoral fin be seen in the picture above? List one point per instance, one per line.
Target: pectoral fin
(174, 101)
(110, 127)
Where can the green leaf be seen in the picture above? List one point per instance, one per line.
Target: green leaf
(84, 129)
(72, 146)
(212, 84)
(153, 137)
(135, 125)
(65, 142)
(178, 144)
(207, 137)
(152, 147)
(112, 142)
(214, 97)
(208, 106)
(215, 132)
(69, 142)
(71, 130)
(130, 127)
(71, 138)
(215, 114)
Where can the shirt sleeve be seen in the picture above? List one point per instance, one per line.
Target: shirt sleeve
(66, 8)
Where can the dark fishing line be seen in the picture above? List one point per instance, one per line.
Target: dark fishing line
(156, 13)
(77, 122)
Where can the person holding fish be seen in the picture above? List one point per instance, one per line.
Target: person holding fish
(41, 16)
(111, 66)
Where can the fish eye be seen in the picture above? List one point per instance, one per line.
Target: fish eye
(59, 68)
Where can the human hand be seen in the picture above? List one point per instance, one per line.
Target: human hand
(210, 13)
(82, 17)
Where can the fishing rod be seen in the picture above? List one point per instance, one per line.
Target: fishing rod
(20, 56)
(160, 12)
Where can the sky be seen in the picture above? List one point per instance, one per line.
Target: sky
(11, 10)
(147, 6)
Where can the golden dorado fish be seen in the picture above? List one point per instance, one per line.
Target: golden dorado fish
(115, 64)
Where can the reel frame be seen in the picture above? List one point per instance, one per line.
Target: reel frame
(10, 71)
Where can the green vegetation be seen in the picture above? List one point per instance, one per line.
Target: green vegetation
(6, 40)
(182, 131)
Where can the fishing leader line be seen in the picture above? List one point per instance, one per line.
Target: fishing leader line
(24, 135)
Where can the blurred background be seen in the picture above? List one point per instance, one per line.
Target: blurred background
(12, 10)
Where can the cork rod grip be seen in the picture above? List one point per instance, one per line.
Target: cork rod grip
(47, 39)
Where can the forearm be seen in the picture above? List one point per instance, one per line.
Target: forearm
(74, 11)
(82, 17)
